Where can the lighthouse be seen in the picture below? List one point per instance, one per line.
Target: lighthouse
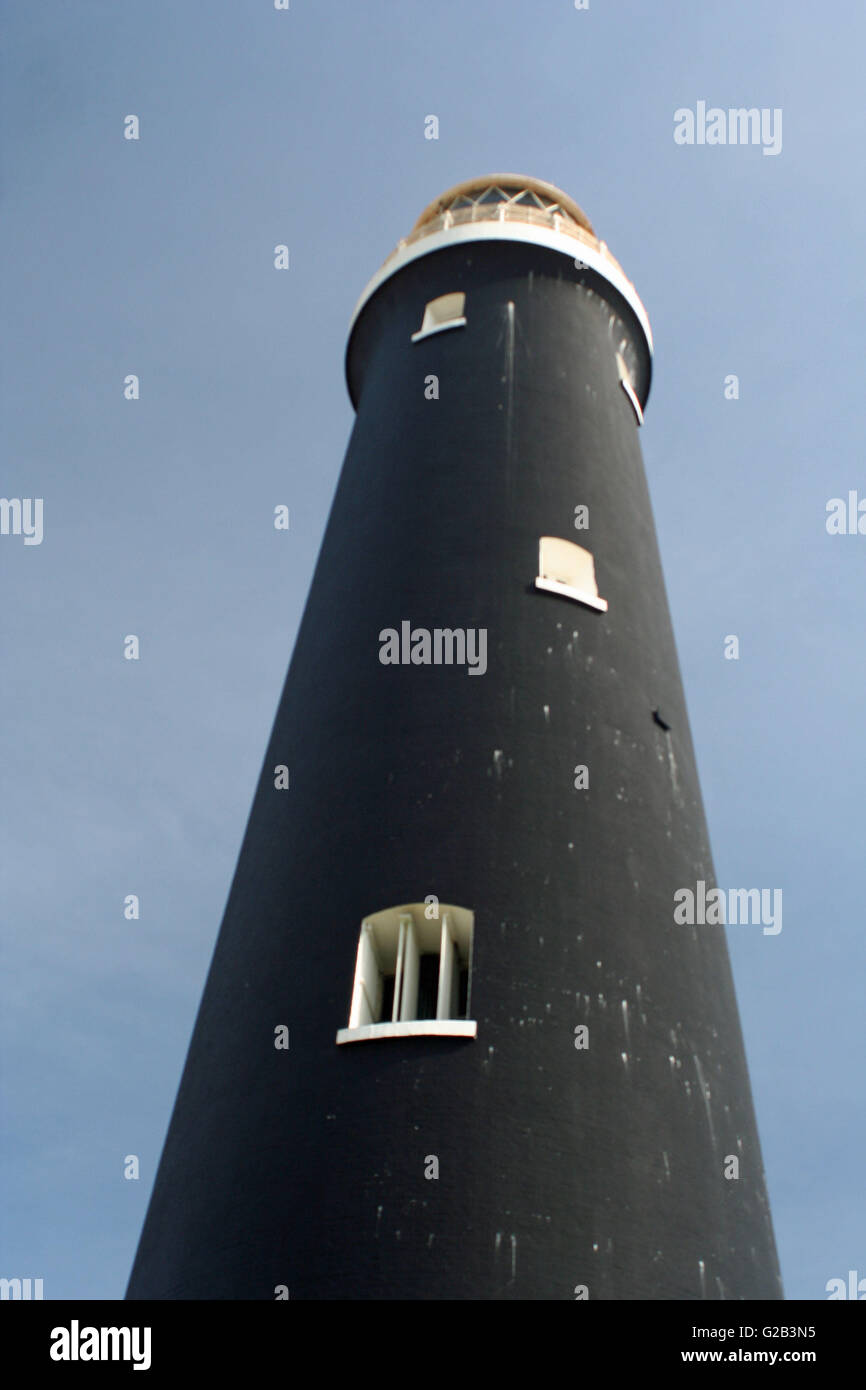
(454, 1042)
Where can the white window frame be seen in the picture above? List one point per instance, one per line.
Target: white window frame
(441, 314)
(625, 383)
(394, 940)
(568, 569)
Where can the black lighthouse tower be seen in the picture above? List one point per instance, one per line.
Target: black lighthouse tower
(453, 1043)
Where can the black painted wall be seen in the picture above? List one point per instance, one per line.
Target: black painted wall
(558, 1167)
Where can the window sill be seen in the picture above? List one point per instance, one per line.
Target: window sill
(414, 1028)
(579, 595)
(437, 328)
(635, 403)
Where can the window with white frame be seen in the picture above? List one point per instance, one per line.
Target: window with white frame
(439, 314)
(567, 569)
(412, 974)
(627, 385)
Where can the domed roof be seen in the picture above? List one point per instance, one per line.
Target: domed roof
(514, 191)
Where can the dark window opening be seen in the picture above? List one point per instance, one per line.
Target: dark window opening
(387, 998)
(428, 986)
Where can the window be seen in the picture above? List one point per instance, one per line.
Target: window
(626, 384)
(439, 314)
(566, 568)
(412, 974)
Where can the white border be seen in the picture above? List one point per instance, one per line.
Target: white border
(553, 586)
(437, 328)
(413, 1028)
(630, 392)
(509, 231)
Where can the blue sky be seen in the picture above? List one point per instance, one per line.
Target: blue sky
(155, 257)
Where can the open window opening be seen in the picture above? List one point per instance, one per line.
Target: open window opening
(625, 382)
(567, 569)
(439, 314)
(412, 974)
